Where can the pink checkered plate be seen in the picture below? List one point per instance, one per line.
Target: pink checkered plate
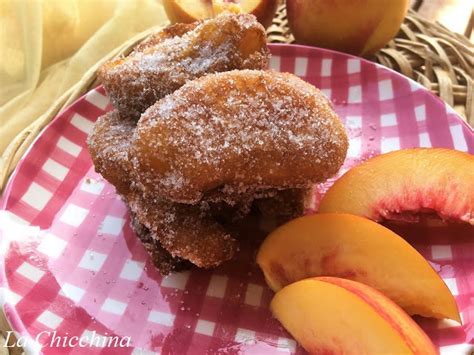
(71, 266)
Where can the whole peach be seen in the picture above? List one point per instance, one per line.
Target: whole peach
(358, 27)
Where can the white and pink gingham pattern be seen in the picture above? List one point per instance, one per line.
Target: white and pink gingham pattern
(83, 270)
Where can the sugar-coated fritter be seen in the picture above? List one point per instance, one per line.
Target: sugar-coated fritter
(222, 145)
(184, 231)
(286, 204)
(109, 147)
(171, 31)
(174, 235)
(159, 256)
(181, 53)
(237, 132)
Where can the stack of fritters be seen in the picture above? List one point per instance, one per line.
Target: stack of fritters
(180, 53)
(201, 132)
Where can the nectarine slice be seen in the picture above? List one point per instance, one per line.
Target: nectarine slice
(336, 316)
(193, 10)
(399, 184)
(358, 249)
(187, 10)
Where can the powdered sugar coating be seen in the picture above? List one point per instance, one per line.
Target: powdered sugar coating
(172, 233)
(171, 31)
(235, 133)
(160, 257)
(184, 52)
(109, 147)
(184, 231)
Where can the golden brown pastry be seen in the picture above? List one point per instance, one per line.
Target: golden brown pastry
(206, 154)
(184, 231)
(159, 256)
(176, 235)
(285, 205)
(171, 31)
(181, 53)
(109, 146)
(236, 133)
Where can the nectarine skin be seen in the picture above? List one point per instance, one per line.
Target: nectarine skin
(264, 10)
(359, 27)
(411, 180)
(355, 248)
(335, 316)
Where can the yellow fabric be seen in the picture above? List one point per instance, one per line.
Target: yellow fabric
(47, 45)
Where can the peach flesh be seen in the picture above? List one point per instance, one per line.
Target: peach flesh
(356, 248)
(388, 310)
(193, 10)
(400, 184)
(333, 316)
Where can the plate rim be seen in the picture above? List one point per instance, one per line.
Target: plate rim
(12, 316)
(7, 190)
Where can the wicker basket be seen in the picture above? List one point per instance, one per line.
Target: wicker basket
(429, 53)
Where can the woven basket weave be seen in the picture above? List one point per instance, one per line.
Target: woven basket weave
(429, 53)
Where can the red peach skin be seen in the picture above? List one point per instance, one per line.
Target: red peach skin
(407, 182)
(328, 315)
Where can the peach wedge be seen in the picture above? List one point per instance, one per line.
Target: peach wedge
(358, 249)
(194, 10)
(399, 184)
(329, 315)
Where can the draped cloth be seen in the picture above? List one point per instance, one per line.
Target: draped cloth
(46, 46)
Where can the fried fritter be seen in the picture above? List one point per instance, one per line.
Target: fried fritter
(173, 234)
(184, 231)
(206, 154)
(285, 205)
(181, 53)
(237, 133)
(160, 257)
(171, 31)
(109, 146)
